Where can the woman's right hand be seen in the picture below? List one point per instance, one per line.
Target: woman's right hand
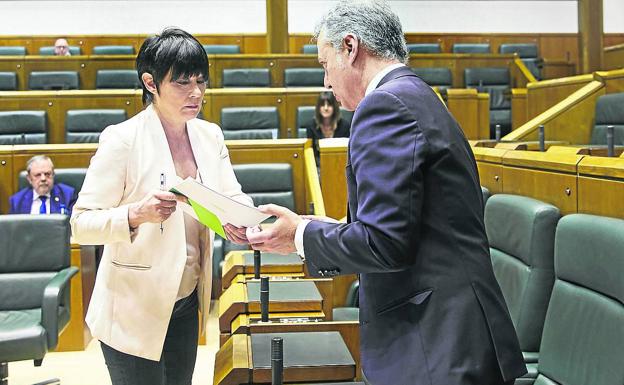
(156, 206)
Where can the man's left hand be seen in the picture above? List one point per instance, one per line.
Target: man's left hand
(280, 236)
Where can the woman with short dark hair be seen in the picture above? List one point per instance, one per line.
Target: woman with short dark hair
(155, 271)
(327, 121)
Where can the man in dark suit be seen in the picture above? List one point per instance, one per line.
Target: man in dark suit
(431, 311)
(43, 196)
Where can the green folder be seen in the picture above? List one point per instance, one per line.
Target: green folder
(205, 216)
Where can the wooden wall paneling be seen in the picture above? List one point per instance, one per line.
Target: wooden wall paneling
(91, 41)
(549, 177)
(104, 62)
(490, 166)
(613, 80)
(296, 42)
(15, 40)
(545, 94)
(298, 97)
(277, 26)
(559, 47)
(254, 44)
(271, 151)
(333, 160)
(601, 186)
(610, 39)
(82, 100)
(555, 69)
(7, 181)
(15, 64)
(614, 57)
(519, 114)
(463, 104)
(34, 100)
(250, 97)
(227, 39)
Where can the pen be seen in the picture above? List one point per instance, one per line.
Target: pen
(162, 188)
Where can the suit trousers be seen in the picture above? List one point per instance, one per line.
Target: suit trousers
(177, 361)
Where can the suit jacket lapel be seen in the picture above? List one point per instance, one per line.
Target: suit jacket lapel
(55, 199)
(26, 201)
(161, 154)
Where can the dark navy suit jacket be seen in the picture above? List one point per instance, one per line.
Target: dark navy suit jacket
(431, 311)
(61, 194)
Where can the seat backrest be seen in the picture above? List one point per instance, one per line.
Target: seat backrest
(221, 48)
(34, 248)
(8, 81)
(471, 48)
(486, 194)
(246, 77)
(117, 79)
(267, 183)
(495, 81)
(440, 77)
(49, 51)
(310, 49)
(304, 77)
(609, 112)
(12, 51)
(113, 50)
(23, 127)
(85, 126)
(424, 48)
(73, 177)
(524, 50)
(249, 134)
(250, 118)
(521, 232)
(53, 80)
(583, 339)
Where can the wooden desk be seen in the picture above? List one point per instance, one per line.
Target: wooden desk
(246, 359)
(601, 186)
(490, 166)
(238, 266)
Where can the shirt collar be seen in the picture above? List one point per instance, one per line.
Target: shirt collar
(380, 75)
(36, 196)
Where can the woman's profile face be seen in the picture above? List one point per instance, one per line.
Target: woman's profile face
(326, 109)
(181, 98)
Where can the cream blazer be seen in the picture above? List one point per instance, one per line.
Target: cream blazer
(140, 273)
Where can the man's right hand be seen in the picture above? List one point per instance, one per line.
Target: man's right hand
(157, 206)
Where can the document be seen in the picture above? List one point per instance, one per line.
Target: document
(214, 209)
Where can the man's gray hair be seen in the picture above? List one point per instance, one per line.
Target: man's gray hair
(373, 23)
(37, 158)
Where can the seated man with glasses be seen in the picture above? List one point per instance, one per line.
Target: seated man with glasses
(61, 47)
(43, 196)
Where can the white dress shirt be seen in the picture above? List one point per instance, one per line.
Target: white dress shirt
(36, 203)
(371, 86)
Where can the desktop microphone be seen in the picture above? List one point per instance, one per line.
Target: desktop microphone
(264, 299)
(277, 361)
(257, 264)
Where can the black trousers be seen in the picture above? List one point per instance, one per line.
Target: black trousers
(177, 361)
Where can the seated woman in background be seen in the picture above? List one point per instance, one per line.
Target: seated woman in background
(327, 121)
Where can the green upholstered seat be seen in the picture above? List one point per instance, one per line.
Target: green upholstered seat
(23, 127)
(521, 233)
(527, 53)
(310, 49)
(583, 338)
(85, 126)
(241, 119)
(486, 194)
(73, 177)
(440, 77)
(117, 79)
(351, 310)
(424, 48)
(248, 135)
(12, 51)
(221, 48)
(497, 83)
(471, 48)
(53, 80)
(8, 81)
(609, 111)
(113, 50)
(35, 278)
(246, 77)
(304, 77)
(305, 118)
(49, 50)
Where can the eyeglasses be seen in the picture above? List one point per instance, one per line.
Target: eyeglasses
(39, 175)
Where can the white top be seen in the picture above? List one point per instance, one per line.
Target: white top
(192, 268)
(36, 203)
(371, 86)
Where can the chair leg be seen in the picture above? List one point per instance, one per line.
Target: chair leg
(4, 373)
(38, 362)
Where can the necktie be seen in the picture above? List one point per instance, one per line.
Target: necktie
(42, 209)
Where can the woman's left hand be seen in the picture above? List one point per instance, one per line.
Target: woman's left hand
(236, 234)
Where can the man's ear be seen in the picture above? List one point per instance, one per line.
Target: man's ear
(148, 81)
(352, 46)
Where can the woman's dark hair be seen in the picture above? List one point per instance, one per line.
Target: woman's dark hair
(326, 96)
(173, 50)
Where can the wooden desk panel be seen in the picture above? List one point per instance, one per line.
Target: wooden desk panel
(15, 64)
(333, 154)
(35, 100)
(104, 62)
(56, 63)
(298, 97)
(601, 186)
(7, 180)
